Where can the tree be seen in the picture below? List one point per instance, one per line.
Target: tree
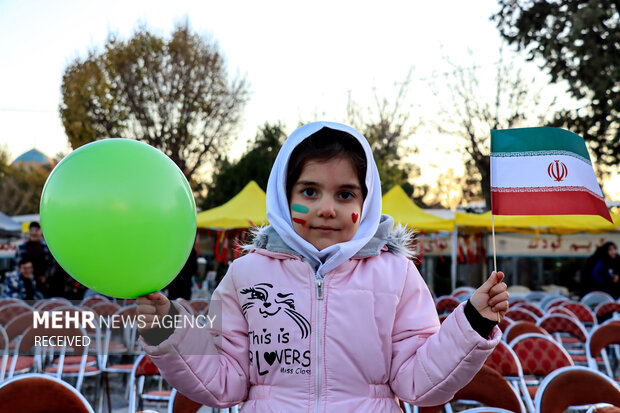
(21, 185)
(577, 42)
(448, 192)
(387, 127)
(173, 94)
(255, 164)
(469, 116)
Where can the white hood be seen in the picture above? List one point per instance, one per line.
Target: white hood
(278, 213)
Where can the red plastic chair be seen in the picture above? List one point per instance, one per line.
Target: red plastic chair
(461, 292)
(521, 314)
(41, 393)
(558, 309)
(569, 332)
(594, 298)
(505, 361)
(554, 303)
(121, 336)
(530, 307)
(105, 308)
(575, 386)
(143, 368)
(488, 387)
(517, 302)
(14, 329)
(583, 313)
(603, 408)
(119, 349)
(519, 328)
(90, 301)
(179, 403)
(12, 310)
(4, 348)
(28, 345)
(539, 355)
(10, 300)
(50, 303)
(599, 338)
(92, 332)
(604, 310)
(446, 304)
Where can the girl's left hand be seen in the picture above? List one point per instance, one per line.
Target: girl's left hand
(491, 297)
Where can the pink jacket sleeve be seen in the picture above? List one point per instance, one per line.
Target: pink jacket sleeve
(430, 364)
(193, 361)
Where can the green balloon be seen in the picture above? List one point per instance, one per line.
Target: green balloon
(119, 217)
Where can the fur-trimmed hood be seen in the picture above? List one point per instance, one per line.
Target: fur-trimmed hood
(397, 238)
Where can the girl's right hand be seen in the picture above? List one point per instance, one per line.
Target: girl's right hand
(151, 306)
(491, 298)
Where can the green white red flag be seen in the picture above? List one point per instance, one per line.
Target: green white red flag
(543, 171)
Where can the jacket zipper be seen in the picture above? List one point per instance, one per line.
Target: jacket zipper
(319, 298)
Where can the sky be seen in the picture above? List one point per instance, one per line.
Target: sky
(302, 59)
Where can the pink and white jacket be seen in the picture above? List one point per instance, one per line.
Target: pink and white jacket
(351, 341)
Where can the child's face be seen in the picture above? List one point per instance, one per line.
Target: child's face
(326, 202)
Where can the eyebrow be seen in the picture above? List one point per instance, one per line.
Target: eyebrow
(351, 186)
(343, 186)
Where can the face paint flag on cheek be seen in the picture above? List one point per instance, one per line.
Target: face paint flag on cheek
(354, 217)
(300, 208)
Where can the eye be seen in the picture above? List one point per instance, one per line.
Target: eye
(346, 195)
(309, 192)
(258, 295)
(255, 294)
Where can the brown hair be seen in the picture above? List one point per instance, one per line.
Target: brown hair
(324, 145)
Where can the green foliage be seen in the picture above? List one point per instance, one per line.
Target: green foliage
(385, 139)
(21, 185)
(578, 42)
(255, 164)
(173, 94)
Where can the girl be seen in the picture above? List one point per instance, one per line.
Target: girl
(326, 313)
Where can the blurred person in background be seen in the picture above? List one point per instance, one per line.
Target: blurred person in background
(37, 252)
(606, 269)
(20, 283)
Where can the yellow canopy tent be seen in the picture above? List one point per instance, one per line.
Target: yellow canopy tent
(397, 204)
(244, 210)
(555, 224)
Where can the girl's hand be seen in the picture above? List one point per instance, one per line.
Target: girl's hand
(491, 297)
(151, 306)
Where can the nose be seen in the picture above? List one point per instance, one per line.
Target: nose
(327, 209)
(267, 305)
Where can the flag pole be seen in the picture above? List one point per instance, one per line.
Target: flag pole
(493, 236)
(492, 215)
(499, 317)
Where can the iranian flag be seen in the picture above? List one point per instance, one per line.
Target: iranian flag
(543, 171)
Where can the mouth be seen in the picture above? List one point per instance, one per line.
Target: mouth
(325, 229)
(267, 313)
